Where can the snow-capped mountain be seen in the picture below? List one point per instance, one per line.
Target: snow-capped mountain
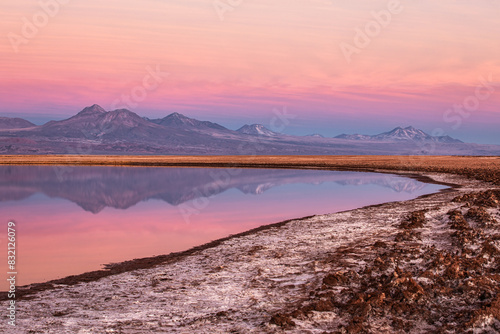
(408, 133)
(402, 134)
(257, 130)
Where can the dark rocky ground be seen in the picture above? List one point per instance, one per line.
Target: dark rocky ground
(410, 286)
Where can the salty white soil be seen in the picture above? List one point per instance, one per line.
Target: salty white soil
(235, 287)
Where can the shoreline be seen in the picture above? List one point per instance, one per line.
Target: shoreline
(148, 262)
(291, 301)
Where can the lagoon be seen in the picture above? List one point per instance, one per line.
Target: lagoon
(75, 219)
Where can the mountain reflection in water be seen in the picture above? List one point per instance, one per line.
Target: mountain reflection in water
(95, 188)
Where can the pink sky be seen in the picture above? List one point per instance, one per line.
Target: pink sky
(262, 55)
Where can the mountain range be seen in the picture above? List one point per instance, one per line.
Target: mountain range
(97, 131)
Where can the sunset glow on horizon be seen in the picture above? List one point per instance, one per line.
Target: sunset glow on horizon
(233, 62)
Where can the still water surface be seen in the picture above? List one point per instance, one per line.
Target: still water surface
(74, 219)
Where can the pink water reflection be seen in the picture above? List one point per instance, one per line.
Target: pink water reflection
(57, 237)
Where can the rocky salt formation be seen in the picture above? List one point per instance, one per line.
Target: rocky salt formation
(440, 273)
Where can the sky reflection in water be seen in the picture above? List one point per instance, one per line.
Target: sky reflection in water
(74, 219)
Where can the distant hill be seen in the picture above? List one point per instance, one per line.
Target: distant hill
(94, 130)
(315, 135)
(354, 137)
(179, 120)
(14, 123)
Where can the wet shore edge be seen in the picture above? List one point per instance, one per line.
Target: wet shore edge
(470, 167)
